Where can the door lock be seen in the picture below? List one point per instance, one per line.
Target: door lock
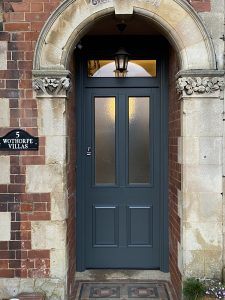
(88, 151)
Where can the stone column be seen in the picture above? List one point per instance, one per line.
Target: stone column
(51, 89)
(200, 153)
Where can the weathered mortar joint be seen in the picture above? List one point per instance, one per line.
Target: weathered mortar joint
(52, 84)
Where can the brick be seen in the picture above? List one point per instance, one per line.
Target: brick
(9, 55)
(13, 103)
(4, 36)
(2, 84)
(17, 170)
(50, 6)
(23, 273)
(20, 179)
(13, 264)
(3, 188)
(17, 16)
(6, 17)
(17, 55)
(14, 123)
(28, 264)
(17, 27)
(13, 84)
(16, 188)
(26, 207)
(7, 273)
(21, 7)
(6, 197)
(23, 254)
(31, 36)
(14, 207)
(26, 245)
(14, 245)
(33, 160)
(39, 254)
(9, 74)
(37, 7)
(28, 93)
(26, 235)
(7, 254)
(40, 216)
(25, 226)
(25, 84)
(12, 65)
(36, 26)
(42, 263)
(29, 122)
(18, 36)
(36, 17)
(40, 206)
(28, 104)
(3, 264)
(4, 245)
(9, 93)
(25, 64)
(21, 46)
(29, 113)
(29, 55)
(14, 113)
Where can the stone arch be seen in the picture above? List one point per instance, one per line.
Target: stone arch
(72, 19)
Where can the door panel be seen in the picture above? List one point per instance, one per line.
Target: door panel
(139, 233)
(122, 178)
(105, 226)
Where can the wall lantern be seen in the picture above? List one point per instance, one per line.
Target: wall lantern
(121, 61)
(121, 56)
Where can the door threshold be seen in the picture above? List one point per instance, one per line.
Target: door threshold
(121, 274)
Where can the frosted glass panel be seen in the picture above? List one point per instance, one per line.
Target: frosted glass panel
(139, 161)
(105, 140)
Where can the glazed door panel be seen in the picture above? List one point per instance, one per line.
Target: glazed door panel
(122, 177)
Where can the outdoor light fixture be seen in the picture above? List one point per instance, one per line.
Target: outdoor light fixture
(121, 60)
(121, 56)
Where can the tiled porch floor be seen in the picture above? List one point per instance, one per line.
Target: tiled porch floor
(123, 285)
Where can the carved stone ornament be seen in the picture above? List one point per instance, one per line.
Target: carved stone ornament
(52, 86)
(199, 85)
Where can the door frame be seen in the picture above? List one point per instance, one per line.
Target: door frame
(92, 46)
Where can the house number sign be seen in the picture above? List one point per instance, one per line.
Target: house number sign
(19, 140)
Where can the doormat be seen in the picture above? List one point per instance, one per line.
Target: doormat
(123, 290)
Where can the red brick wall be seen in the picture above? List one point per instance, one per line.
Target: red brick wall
(201, 5)
(22, 22)
(174, 173)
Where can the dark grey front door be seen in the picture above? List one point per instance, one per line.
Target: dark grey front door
(121, 175)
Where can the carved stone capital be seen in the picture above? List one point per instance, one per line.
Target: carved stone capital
(196, 85)
(51, 85)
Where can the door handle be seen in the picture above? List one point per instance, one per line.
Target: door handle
(88, 153)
